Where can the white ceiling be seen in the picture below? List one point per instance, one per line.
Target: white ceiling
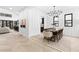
(14, 8)
(18, 9)
(21, 8)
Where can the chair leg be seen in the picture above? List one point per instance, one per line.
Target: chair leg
(57, 38)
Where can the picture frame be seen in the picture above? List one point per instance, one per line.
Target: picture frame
(23, 23)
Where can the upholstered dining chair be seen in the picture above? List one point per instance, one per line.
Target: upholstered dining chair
(55, 34)
(60, 33)
(47, 35)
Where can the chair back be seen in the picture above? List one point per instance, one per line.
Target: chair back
(47, 34)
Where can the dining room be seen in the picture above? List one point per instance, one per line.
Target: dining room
(58, 26)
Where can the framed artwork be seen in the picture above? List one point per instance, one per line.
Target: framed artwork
(68, 20)
(23, 23)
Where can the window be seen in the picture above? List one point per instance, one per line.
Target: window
(68, 20)
(56, 21)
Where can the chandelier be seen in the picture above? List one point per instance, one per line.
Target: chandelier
(54, 12)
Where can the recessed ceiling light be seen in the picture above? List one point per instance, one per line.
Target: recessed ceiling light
(10, 8)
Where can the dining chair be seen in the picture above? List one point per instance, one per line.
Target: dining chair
(56, 36)
(60, 34)
(47, 35)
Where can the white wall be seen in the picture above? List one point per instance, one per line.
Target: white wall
(34, 15)
(70, 31)
(34, 22)
(24, 31)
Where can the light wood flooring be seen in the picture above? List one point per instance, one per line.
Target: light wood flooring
(15, 42)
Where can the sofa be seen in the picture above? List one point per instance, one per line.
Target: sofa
(4, 30)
